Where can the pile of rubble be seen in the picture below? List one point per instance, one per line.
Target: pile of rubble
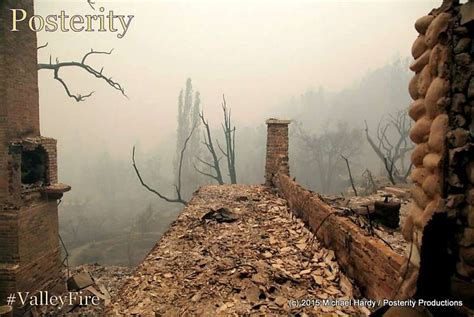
(236, 250)
(363, 211)
(87, 280)
(107, 280)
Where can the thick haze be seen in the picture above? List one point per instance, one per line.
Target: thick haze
(257, 53)
(319, 62)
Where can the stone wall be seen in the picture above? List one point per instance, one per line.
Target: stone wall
(460, 173)
(440, 223)
(277, 149)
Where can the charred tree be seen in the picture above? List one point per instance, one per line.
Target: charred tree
(393, 145)
(215, 164)
(350, 174)
(326, 151)
(179, 197)
(229, 134)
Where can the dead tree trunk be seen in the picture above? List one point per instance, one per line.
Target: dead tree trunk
(392, 145)
(350, 174)
(229, 133)
(215, 165)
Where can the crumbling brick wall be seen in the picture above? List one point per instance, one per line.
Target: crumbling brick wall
(29, 245)
(440, 223)
(373, 265)
(366, 259)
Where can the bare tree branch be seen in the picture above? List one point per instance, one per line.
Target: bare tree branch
(205, 174)
(42, 46)
(372, 144)
(177, 187)
(91, 4)
(327, 149)
(83, 65)
(210, 147)
(181, 157)
(392, 149)
(389, 168)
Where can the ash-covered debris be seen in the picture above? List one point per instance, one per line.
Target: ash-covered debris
(88, 280)
(381, 214)
(107, 281)
(252, 265)
(112, 277)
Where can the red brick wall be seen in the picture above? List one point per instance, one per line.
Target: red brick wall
(19, 105)
(42, 274)
(29, 244)
(39, 275)
(7, 281)
(37, 223)
(29, 248)
(8, 236)
(372, 264)
(18, 74)
(50, 145)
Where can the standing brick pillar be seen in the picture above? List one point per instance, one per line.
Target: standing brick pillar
(277, 149)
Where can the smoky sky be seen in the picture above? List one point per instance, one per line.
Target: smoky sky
(259, 53)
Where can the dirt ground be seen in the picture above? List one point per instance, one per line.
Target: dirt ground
(237, 250)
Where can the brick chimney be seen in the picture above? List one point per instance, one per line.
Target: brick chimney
(277, 149)
(30, 257)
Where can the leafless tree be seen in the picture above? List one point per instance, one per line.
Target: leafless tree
(215, 165)
(327, 149)
(229, 133)
(56, 66)
(178, 198)
(393, 145)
